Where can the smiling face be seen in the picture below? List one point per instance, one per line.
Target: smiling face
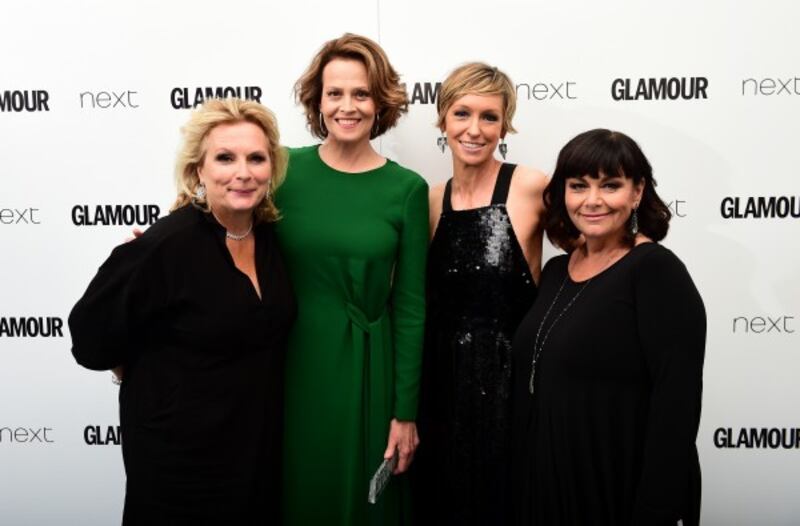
(474, 126)
(600, 207)
(347, 107)
(236, 168)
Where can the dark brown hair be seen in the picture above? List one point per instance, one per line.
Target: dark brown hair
(597, 152)
(391, 99)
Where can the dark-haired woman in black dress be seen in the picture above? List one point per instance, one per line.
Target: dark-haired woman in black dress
(608, 362)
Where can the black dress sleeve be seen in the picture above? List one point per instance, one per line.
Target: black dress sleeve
(672, 330)
(127, 294)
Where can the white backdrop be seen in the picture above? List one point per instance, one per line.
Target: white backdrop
(737, 142)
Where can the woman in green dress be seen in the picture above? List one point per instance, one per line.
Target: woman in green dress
(354, 233)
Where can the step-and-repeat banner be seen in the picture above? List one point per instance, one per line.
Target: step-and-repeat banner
(92, 95)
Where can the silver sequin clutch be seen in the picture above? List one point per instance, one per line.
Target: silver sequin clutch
(381, 478)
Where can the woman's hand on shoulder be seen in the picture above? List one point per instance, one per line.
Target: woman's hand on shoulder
(136, 233)
(403, 438)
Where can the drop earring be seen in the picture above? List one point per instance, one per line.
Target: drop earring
(322, 127)
(200, 191)
(441, 142)
(635, 220)
(503, 148)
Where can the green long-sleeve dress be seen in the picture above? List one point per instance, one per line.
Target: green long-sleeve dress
(355, 246)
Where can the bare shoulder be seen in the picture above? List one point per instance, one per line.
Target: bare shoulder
(531, 178)
(530, 181)
(435, 196)
(437, 190)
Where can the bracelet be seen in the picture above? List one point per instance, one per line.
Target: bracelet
(116, 380)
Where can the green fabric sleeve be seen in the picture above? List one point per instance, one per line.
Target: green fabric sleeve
(408, 301)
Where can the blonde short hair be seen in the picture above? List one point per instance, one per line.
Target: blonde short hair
(390, 97)
(193, 150)
(477, 78)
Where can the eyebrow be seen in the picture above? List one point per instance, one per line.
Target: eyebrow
(227, 149)
(465, 107)
(364, 88)
(601, 177)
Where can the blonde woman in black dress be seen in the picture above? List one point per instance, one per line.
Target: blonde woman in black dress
(484, 259)
(193, 315)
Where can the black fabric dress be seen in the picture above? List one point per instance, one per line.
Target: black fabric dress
(608, 436)
(479, 288)
(202, 396)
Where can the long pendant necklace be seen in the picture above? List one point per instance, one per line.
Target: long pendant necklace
(537, 347)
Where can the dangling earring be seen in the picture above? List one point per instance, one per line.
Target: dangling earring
(322, 127)
(503, 148)
(199, 198)
(441, 142)
(376, 127)
(635, 220)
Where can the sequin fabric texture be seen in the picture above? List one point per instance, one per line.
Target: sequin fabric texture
(479, 287)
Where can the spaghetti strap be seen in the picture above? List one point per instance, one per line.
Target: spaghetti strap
(502, 184)
(446, 204)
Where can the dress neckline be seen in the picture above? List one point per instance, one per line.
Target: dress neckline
(605, 270)
(258, 233)
(334, 170)
(502, 184)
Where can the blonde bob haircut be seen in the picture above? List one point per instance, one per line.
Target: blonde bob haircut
(477, 78)
(193, 149)
(391, 100)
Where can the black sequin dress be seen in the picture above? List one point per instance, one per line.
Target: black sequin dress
(479, 288)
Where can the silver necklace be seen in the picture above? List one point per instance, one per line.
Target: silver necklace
(239, 237)
(537, 347)
(235, 237)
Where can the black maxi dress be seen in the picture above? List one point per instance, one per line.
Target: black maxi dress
(202, 396)
(608, 436)
(479, 288)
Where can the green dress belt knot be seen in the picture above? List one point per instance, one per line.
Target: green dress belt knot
(372, 339)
